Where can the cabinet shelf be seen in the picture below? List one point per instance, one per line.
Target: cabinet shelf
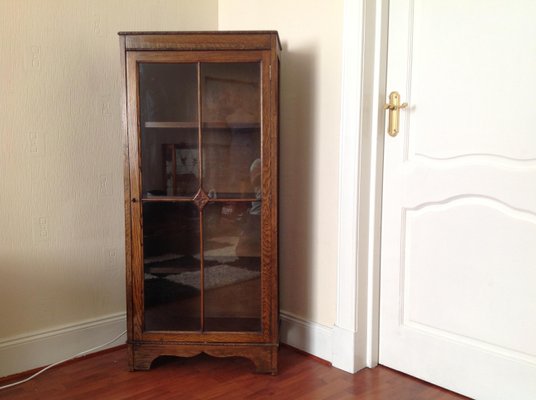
(206, 125)
(171, 124)
(234, 198)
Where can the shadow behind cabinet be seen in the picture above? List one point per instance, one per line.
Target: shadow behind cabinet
(201, 142)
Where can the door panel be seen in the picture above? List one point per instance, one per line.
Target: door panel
(459, 205)
(437, 278)
(468, 60)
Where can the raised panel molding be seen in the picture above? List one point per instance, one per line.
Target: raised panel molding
(461, 223)
(436, 135)
(479, 158)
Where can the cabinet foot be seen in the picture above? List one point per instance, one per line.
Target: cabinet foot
(264, 357)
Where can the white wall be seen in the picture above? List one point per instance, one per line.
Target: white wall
(311, 34)
(61, 212)
(62, 239)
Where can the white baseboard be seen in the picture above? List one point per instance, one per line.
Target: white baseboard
(311, 337)
(26, 352)
(37, 349)
(337, 345)
(346, 354)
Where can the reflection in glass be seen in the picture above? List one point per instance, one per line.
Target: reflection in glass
(232, 259)
(231, 150)
(170, 165)
(228, 158)
(181, 166)
(169, 136)
(231, 100)
(172, 277)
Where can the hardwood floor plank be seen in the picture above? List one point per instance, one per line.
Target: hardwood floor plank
(106, 376)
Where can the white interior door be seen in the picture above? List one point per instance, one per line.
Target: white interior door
(458, 272)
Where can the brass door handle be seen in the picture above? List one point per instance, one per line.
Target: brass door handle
(394, 107)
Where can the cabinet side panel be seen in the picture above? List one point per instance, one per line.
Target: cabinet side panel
(267, 184)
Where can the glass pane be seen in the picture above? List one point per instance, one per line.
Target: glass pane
(168, 92)
(169, 129)
(231, 98)
(172, 268)
(232, 258)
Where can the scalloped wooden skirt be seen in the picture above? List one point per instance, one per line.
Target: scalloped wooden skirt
(264, 356)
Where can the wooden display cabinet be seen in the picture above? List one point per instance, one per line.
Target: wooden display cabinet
(201, 193)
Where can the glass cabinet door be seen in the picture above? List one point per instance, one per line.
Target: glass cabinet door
(201, 194)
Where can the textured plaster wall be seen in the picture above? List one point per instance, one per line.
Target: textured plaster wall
(311, 34)
(61, 212)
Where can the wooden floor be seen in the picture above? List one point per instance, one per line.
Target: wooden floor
(106, 376)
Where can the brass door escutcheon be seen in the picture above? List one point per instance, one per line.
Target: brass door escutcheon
(394, 107)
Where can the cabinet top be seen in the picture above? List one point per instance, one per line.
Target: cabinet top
(201, 40)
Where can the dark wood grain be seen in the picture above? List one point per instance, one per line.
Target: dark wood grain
(205, 198)
(267, 187)
(263, 356)
(126, 182)
(274, 172)
(202, 47)
(189, 41)
(201, 377)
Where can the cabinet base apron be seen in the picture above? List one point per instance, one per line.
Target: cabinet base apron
(264, 356)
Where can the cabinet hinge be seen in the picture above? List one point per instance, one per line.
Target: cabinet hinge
(270, 71)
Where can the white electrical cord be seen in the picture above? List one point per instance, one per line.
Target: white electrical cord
(83, 353)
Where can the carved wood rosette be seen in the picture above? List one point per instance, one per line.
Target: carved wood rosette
(201, 199)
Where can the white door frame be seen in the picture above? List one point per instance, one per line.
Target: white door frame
(356, 332)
